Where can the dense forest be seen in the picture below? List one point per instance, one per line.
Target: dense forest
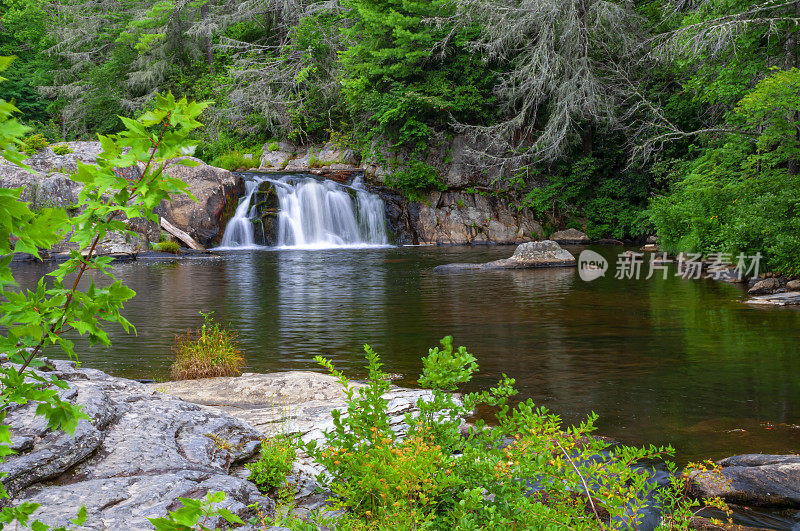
(679, 118)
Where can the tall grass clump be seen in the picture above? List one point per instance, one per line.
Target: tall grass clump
(168, 247)
(206, 352)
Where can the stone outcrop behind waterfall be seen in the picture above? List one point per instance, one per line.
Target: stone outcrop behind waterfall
(47, 184)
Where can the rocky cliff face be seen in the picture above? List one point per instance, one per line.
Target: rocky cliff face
(48, 185)
(216, 192)
(457, 217)
(460, 215)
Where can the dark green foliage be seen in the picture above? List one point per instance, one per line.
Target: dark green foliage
(596, 190)
(399, 78)
(274, 463)
(741, 195)
(414, 178)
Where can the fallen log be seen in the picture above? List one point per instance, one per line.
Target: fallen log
(182, 236)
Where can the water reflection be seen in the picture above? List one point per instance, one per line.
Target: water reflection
(661, 361)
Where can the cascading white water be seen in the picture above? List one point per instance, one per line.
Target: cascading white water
(239, 230)
(313, 214)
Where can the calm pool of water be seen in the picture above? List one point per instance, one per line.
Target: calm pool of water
(672, 361)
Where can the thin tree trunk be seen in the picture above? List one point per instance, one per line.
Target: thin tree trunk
(209, 50)
(790, 61)
(179, 36)
(587, 141)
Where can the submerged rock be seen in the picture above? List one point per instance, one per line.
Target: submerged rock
(753, 479)
(570, 237)
(139, 451)
(545, 253)
(791, 298)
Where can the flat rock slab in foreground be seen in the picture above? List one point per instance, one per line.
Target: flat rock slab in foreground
(753, 479)
(139, 451)
(296, 402)
(285, 402)
(545, 253)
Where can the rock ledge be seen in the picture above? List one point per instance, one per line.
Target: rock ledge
(545, 253)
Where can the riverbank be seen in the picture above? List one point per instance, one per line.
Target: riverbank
(145, 445)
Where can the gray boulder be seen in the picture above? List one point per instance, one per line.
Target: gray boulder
(764, 287)
(217, 192)
(791, 298)
(753, 479)
(41, 190)
(793, 285)
(275, 159)
(570, 237)
(137, 453)
(546, 253)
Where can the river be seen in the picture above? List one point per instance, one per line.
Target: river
(680, 362)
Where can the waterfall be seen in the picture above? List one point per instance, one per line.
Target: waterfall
(312, 214)
(239, 230)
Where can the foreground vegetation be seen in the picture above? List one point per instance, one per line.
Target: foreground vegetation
(207, 352)
(620, 118)
(34, 322)
(524, 471)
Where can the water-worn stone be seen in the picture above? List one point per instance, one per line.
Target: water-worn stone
(291, 402)
(546, 253)
(764, 287)
(271, 160)
(285, 402)
(217, 192)
(48, 185)
(137, 453)
(791, 298)
(753, 479)
(570, 237)
(793, 285)
(303, 158)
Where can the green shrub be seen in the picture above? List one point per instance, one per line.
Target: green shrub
(237, 161)
(207, 352)
(168, 247)
(440, 478)
(315, 162)
(61, 149)
(611, 202)
(32, 144)
(193, 514)
(273, 146)
(274, 463)
(415, 178)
